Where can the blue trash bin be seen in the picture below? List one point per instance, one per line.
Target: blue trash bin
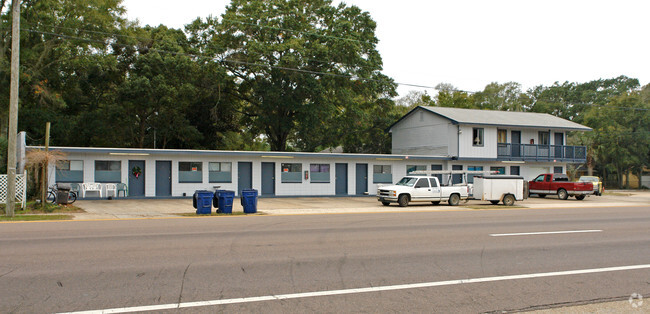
(215, 200)
(202, 201)
(225, 201)
(249, 201)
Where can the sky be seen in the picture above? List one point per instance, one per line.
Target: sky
(471, 43)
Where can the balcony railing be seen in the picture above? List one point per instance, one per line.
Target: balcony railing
(507, 151)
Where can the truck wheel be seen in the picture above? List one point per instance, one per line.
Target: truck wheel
(385, 203)
(541, 195)
(580, 197)
(494, 202)
(403, 200)
(562, 194)
(454, 199)
(435, 202)
(509, 200)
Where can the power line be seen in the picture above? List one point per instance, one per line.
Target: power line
(304, 71)
(297, 31)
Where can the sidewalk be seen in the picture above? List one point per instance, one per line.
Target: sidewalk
(148, 208)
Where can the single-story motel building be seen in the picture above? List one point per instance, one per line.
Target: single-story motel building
(426, 138)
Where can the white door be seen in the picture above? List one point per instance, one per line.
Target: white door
(422, 190)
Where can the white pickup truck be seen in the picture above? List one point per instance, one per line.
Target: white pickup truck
(421, 189)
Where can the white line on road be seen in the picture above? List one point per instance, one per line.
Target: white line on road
(361, 290)
(537, 233)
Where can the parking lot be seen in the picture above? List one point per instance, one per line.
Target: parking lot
(150, 208)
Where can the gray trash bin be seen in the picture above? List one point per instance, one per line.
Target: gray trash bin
(62, 194)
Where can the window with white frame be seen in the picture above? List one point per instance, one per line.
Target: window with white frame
(291, 173)
(220, 172)
(382, 174)
(477, 136)
(320, 173)
(108, 171)
(190, 172)
(70, 171)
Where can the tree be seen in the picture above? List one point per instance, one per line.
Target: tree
(297, 62)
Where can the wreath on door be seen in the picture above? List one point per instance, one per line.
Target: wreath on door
(136, 171)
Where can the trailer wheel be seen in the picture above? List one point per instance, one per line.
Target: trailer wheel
(435, 202)
(509, 200)
(562, 194)
(385, 203)
(580, 197)
(454, 199)
(403, 200)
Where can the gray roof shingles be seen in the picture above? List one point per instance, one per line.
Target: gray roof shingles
(505, 118)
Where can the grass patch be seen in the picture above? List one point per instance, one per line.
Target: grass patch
(22, 217)
(216, 214)
(34, 211)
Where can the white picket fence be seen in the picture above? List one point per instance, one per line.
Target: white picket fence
(21, 189)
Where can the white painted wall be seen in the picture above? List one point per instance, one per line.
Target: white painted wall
(422, 133)
(528, 170)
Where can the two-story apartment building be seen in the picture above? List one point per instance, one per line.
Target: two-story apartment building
(427, 138)
(522, 143)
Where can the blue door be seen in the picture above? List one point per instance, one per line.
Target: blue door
(136, 183)
(341, 179)
(163, 178)
(362, 179)
(244, 176)
(268, 178)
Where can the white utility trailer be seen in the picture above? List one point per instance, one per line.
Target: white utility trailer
(500, 188)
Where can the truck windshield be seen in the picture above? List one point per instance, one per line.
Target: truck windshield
(407, 181)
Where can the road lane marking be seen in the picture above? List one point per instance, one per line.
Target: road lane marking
(538, 233)
(360, 290)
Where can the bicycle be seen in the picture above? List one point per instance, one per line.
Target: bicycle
(52, 191)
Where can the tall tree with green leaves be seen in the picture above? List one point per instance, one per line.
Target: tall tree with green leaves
(300, 65)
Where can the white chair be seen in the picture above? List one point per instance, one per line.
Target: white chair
(111, 187)
(91, 187)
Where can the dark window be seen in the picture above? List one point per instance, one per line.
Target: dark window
(514, 170)
(422, 183)
(544, 138)
(560, 178)
(539, 178)
(412, 168)
(500, 170)
(108, 171)
(557, 170)
(320, 173)
(70, 171)
(434, 183)
(291, 173)
(470, 177)
(477, 136)
(190, 172)
(382, 174)
(220, 172)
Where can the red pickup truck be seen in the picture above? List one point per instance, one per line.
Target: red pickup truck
(558, 183)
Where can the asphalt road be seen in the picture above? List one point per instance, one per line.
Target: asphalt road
(127, 264)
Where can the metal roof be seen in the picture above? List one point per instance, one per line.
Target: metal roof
(262, 154)
(502, 118)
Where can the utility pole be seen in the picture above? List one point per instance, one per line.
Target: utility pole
(13, 109)
(45, 164)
